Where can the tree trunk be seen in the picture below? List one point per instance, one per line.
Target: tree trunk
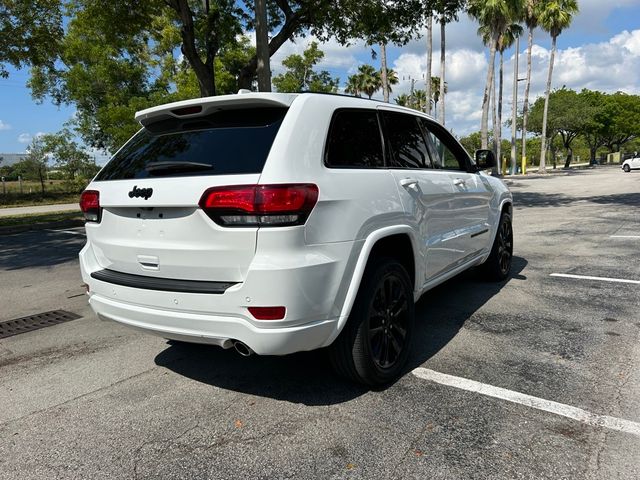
(499, 124)
(484, 124)
(592, 155)
(442, 67)
(494, 118)
(567, 162)
(514, 107)
(41, 175)
(525, 108)
(383, 72)
(262, 47)
(427, 89)
(543, 148)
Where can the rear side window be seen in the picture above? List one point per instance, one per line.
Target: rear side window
(354, 140)
(224, 143)
(406, 141)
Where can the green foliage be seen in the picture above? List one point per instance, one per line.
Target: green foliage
(556, 15)
(368, 81)
(300, 75)
(29, 32)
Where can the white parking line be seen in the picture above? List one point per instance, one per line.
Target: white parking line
(624, 236)
(600, 279)
(556, 408)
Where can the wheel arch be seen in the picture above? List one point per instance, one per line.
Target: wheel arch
(394, 242)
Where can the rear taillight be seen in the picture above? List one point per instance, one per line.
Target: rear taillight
(90, 205)
(260, 205)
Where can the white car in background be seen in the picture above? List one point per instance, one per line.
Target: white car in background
(631, 164)
(275, 223)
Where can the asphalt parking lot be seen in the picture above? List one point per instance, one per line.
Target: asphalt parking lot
(537, 377)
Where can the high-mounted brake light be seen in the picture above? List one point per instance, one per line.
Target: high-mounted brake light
(260, 205)
(90, 205)
(187, 110)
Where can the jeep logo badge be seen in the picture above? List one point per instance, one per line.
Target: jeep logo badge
(141, 192)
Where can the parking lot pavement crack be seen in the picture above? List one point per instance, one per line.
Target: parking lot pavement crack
(78, 397)
(136, 455)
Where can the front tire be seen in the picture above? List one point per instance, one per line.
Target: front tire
(497, 267)
(374, 345)
(626, 168)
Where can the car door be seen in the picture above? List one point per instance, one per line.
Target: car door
(469, 208)
(425, 194)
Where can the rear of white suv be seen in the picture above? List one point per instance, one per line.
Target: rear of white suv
(222, 221)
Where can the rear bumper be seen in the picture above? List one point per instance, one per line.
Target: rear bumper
(214, 329)
(309, 283)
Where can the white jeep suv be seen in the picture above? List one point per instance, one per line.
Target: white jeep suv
(276, 223)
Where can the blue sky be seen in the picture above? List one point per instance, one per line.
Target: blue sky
(601, 50)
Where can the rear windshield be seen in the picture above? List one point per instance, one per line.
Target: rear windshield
(223, 143)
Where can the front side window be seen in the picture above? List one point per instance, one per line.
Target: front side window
(444, 149)
(406, 141)
(354, 140)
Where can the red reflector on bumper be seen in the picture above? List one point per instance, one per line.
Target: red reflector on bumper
(267, 313)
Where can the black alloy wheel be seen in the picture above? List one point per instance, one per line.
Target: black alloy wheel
(498, 265)
(388, 322)
(374, 345)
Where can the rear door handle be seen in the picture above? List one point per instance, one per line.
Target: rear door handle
(409, 182)
(458, 182)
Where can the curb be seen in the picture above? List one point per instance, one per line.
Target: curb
(10, 230)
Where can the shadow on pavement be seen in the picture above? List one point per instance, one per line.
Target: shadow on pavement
(307, 377)
(38, 248)
(536, 199)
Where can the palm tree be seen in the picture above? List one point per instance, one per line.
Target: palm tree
(383, 73)
(435, 88)
(506, 40)
(353, 85)
(495, 16)
(369, 81)
(428, 87)
(448, 11)
(555, 16)
(531, 20)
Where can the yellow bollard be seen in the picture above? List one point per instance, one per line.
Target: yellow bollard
(504, 165)
(524, 165)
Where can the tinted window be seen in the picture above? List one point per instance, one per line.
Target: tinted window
(224, 143)
(445, 151)
(406, 141)
(354, 140)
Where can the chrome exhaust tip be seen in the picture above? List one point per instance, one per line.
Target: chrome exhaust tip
(242, 349)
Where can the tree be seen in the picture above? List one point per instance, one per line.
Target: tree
(505, 40)
(554, 16)
(29, 32)
(625, 125)
(428, 84)
(263, 69)
(567, 115)
(368, 80)
(68, 156)
(530, 15)
(35, 165)
(300, 75)
(494, 16)
(416, 100)
(447, 11)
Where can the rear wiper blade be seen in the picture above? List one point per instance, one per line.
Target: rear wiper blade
(157, 167)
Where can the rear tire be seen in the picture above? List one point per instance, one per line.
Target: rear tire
(374, 345)
(626, 168)
(497, 267)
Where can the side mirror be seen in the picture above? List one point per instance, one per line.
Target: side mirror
(485, 159)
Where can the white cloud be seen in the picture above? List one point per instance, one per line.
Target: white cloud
(25, 138)
(4, 126)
